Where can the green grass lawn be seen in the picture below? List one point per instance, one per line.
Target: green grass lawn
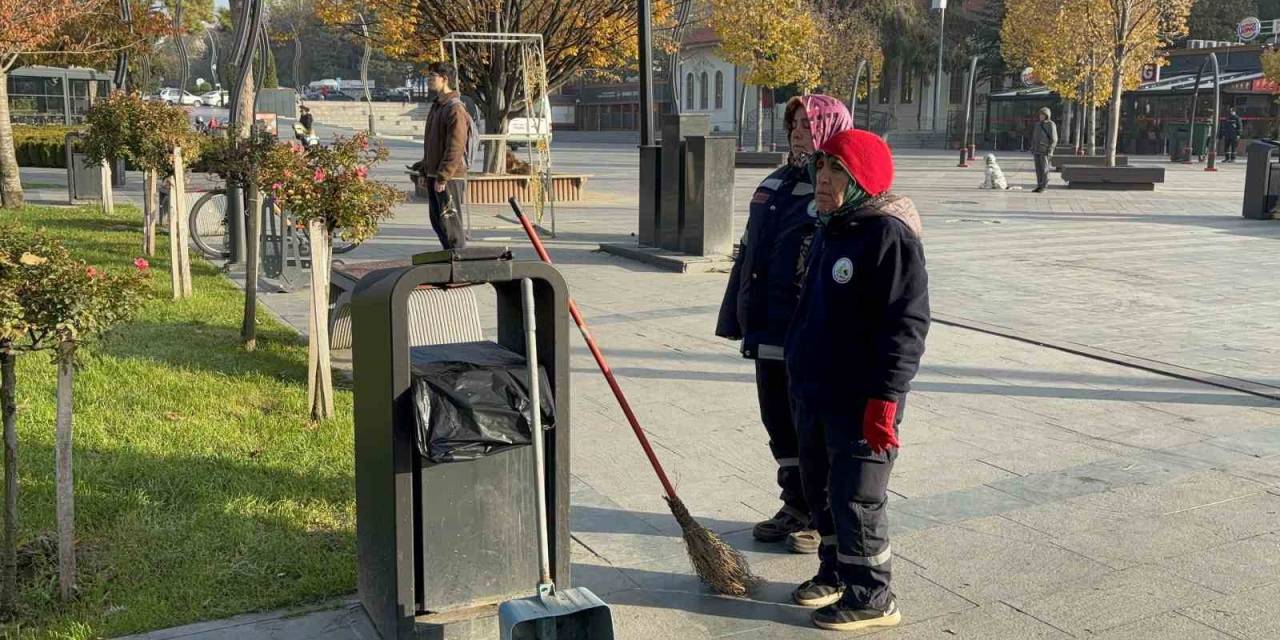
(202, 489)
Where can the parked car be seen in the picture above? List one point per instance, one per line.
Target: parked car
(525, 130)
(338, 95)
(399, 93)
(378, 94)
(177, 96)
(216, 98)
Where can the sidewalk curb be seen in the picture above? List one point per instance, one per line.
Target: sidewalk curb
(1115, 357)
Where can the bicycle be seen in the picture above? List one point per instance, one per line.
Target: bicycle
(210, 235)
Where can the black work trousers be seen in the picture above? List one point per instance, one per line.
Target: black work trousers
(847, 487)
(775, 413)
(446, 213)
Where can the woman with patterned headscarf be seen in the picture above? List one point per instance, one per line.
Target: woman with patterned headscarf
(763, 290)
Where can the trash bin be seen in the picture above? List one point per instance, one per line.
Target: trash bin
(439, 543)
(1261, 180)
(84, 180)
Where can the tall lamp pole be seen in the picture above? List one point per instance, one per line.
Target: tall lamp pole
(941, 6)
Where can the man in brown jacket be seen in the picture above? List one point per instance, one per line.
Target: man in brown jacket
(444, 167)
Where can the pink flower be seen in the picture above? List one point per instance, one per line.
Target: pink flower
(364, 143)
(362, 173)
(91, 272)
(277, 186)
(142, 264)
(319, 175)
(296, 147)
(288, 173)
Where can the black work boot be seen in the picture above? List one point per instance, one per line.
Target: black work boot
(776, 529)
(818, 592)
(847, 616)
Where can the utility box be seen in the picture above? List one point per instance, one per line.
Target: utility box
(674, 182)
(1261, 180)
(706, 224)
(439, 543)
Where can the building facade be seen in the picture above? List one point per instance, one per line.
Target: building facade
(54, 95)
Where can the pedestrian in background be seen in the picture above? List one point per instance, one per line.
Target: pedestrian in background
(763, 289)
(853, 348)
(1044, 139)
(444, 163)
(1231, 128)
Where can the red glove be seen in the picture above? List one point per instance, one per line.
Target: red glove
(878, 424)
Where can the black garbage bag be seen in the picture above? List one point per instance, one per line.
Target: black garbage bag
(472, 400)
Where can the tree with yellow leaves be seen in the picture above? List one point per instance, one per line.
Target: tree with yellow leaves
(1071, 43)
(847, 36)
(777, 41)
(1061, 40)
(1136, 29)
(579, 35)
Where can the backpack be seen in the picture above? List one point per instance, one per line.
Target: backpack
(473, 134)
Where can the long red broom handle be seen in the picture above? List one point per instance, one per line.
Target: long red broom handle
(600, 361)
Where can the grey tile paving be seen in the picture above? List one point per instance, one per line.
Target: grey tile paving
(1040, 495)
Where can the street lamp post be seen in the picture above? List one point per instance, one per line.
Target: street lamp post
(941, 6)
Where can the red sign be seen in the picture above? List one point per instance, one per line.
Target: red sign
(1150, 72)
(1248, 29)
(1264, 85)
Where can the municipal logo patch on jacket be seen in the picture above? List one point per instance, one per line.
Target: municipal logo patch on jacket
(842, 271)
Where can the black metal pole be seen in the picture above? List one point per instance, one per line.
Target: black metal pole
(646, 72)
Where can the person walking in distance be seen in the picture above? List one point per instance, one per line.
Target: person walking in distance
(763, 289)
(1231, 127)
(444, 163)
(1044, 139)
(852, 349)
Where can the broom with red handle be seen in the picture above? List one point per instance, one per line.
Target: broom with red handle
(717, 564)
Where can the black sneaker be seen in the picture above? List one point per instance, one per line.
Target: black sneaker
(818, 592)
(777, 528)
(1038, 190)
(843, 616)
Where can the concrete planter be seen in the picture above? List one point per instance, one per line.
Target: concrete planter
(1086, 161)
(1112, 178)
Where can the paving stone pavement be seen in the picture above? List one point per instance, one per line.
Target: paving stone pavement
(1038, 494)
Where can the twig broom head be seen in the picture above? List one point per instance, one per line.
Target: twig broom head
(717, 564)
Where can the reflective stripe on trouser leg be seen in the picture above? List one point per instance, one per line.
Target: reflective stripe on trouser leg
(859, 500)
(775, 414)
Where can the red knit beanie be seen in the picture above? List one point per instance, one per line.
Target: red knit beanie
(866, 156)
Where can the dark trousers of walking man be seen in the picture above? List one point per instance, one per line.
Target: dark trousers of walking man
(1229, 154)
(1042, 171)
(446, 212)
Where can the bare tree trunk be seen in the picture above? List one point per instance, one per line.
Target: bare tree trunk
(9, 408)
(319, 370)
(1093, 116)
(249, 327)
(150, 212)
(108, 195)
(179, 234)
(1113, 120)
(65, 486)
(11, 196)
(759, 118)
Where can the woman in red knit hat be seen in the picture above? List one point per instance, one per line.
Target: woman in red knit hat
(852, 349)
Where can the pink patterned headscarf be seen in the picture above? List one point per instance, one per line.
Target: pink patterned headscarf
(827, 116)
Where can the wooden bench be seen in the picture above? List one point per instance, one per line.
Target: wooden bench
(1087, 161)
(436, 315)
(496, 189)
(1112, 178)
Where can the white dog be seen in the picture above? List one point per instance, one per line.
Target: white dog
(995, 176)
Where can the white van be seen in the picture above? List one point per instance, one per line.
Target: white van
(526, 130)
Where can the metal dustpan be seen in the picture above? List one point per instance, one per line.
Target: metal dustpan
(571, 614)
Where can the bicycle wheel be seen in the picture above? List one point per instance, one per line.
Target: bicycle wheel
(209, 225)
